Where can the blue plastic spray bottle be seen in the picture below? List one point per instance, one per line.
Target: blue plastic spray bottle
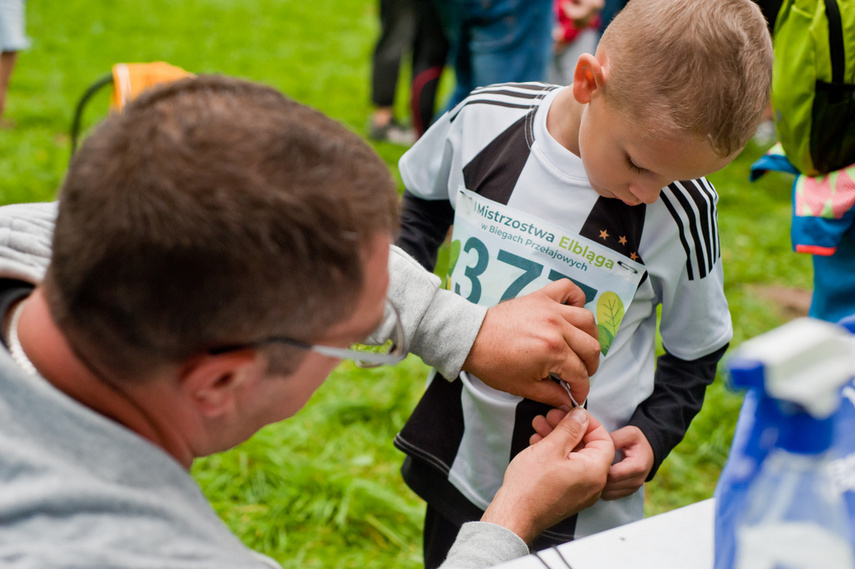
(775, 504)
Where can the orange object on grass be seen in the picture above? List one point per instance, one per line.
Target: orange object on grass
(131, 79)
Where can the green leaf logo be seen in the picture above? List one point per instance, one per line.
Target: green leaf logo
(610, 312)
(606, 338)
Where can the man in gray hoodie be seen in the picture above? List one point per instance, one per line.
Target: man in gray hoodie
(206, 270)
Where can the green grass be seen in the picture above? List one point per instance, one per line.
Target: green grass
(323, 489)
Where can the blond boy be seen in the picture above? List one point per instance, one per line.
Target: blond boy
(602, 182)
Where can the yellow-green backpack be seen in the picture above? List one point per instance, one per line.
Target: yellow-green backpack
(813, 83)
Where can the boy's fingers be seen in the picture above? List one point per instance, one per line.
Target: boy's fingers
(554, 416)
(622, 438)
(541, 426)
(620, 471)
(570, 431)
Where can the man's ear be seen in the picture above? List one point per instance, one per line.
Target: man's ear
(588, 76)
(211, 382)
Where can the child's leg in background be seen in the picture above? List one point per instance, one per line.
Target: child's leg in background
(430, 50)
(397, 27)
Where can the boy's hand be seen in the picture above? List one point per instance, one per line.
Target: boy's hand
(525, 339)
(550, 481)
(629, 474)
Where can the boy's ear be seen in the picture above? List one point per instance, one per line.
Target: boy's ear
(588, 76)
(211, 382)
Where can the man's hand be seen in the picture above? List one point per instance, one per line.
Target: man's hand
(625, 476)
(525, 339)
(550, 481)
(628, 475)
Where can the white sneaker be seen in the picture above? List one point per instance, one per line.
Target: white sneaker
(392, 132)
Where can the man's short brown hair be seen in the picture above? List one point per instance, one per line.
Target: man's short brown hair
(702, 67)
(210, 212)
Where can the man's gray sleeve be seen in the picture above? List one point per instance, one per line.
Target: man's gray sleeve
(26, 233)
(482, 544)
(440, 326)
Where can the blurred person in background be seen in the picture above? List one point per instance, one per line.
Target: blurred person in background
(12, 40)
(576, 31)
(406, 27)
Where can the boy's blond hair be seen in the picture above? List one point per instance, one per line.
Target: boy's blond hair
(703, 67)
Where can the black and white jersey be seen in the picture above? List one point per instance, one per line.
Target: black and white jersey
(463, 433)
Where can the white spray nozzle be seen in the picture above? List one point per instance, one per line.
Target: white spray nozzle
(805, 361)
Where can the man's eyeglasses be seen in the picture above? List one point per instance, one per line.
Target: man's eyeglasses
(386, 346)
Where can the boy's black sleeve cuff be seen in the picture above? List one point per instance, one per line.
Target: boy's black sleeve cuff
(424, 225)
(678, 394)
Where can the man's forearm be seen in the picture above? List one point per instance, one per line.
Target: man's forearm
(440, 326)
(482, 544)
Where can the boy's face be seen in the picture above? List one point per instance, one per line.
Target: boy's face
(622, 163)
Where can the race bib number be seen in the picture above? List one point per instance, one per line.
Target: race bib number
(498, 253)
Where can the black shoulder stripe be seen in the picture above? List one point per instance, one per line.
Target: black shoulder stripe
(506, 93)
(713, 216)
(494, 171)
(467, 103)
(692, 205)
(690, 219)
(664, 197)
(704, 201)
(532, 86)
(500, 93)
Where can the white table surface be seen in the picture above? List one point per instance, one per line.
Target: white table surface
(679, 539)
